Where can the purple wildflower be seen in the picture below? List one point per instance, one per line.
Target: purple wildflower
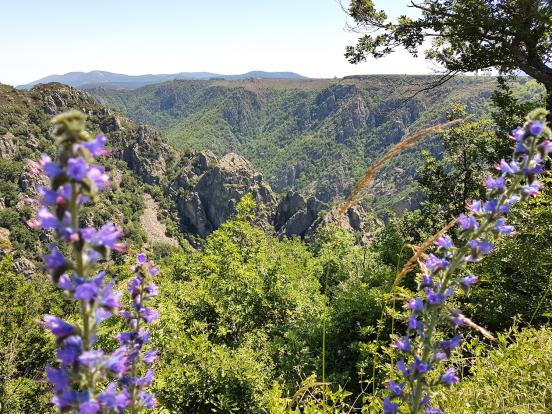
(86, 291)
(106, 236)
(390, 407)
(151, 290)
(141, 258)
(70, 351)
(451, 344)
(420, 367)
(148, 314)
(449, 377)
(496, 183)
(65, 398)
(46, 219)
(76, 180)
(518, 133)
(403, 344)
(476, 206)
(89, 407)
(490, 206)
(502, 227)
(414, 323)
(146, 399)
(467, 222)
(434, 298)
(58, 377)
(58, 327)
(96, 146)
(55, 259)
(469, 280)
(440, 356)
(444, 242)
(511, 168)
(434, 263)
(146, 380)
(49, 197)
(91, 359)
(150, 357)
(97, 176)
(536, 128)
(395, 388)
(521, 149)
(416, 304)
(546, 146)
(77, 168)
(401, 366)
(532, 189)
(427, 280)
(116, 362)
(483, 246)
(51, 169)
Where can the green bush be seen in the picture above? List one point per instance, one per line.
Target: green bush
(24, 348)
(232, 319)
(514, 378)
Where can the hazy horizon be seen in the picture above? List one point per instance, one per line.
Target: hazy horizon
(136, 38)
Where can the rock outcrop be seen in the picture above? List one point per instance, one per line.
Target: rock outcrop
(296, 216)
(7, 146)
(208, 189)
(147, 155)
(204, 188)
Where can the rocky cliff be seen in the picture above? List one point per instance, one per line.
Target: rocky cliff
(315, 136)
(203, 187)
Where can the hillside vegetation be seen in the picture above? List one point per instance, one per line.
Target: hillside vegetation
(316, 136)
(254, 323)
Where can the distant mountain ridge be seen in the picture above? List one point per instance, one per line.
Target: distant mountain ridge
(88, 80)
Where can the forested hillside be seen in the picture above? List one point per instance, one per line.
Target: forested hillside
(266, 243)
(248, 319)
(315, 136)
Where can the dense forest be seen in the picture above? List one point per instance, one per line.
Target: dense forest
(366, 244)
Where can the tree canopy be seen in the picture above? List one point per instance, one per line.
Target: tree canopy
(466, 35)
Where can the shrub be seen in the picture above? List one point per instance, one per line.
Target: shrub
(514, 378)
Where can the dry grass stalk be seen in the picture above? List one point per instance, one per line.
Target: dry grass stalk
(368, 177)
(471, 324)
(420, 252)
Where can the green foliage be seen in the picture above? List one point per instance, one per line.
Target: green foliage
(24, 348)
(231, 318)
(311, 398)
(449, 183)
(10, 171)
(468, 35)
(517, 276)
(516, 378)
(317, 136)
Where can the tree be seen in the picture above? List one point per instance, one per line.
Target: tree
(447, 183)
(467, 35)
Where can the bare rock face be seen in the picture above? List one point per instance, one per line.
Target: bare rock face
(348, 104)
(58, 97)
(31, 177)
(7, 146)
(209, 189)
(147, 155)
(296, 216)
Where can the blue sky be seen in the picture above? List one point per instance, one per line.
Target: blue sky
(42, 37)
